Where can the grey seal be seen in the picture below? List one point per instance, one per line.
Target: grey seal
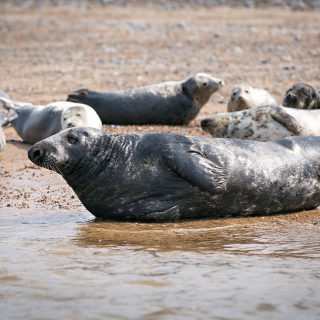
(159, 177)
(244, 97)
(302, 96)
(172, 102)
(35, 123)
(6, 116)
(264, 123)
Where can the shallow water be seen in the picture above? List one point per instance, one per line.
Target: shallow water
(63, 264)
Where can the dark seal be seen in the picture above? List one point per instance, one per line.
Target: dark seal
(302, 96)
(159, 177)
(172, 102)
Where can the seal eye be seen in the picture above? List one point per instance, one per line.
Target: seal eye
(64, 119)
(72, 139)
(205, 84)
(78, 115)
(305, 94)
(234, 93)
(246, 91)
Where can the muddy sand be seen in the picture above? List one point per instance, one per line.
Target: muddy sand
(57, 261)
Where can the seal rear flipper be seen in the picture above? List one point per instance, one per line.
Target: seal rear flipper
(194, 167)
(286, 120)
(9, 104)
(78, 96)
(6, 116)
(171, 214)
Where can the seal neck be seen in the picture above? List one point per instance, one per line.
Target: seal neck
(199, 96)
(100, 156)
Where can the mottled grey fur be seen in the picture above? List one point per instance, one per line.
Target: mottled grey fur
(158, 177)
(302, 96)
(172, 102)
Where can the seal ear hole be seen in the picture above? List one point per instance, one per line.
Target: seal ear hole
(86, 133)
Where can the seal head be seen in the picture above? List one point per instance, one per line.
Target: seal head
(302, 96)
(201, 86)
(245, 97)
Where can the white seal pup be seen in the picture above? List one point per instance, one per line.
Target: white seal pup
(264, 123)
(244, 97)
(6, 116)
(35, 123)
(172, 102)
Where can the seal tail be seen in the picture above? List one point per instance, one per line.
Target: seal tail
(78, 96)
(6, 116)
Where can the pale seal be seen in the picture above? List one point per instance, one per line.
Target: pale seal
(6, 116)
(302, 96)
(163, 176)
(3, 95)
(264, 123)
(35, 123)
(172, 102)
(244, 97)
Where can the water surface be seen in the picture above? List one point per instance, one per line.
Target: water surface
(63, 264)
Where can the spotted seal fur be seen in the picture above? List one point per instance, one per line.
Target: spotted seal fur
(264, 123)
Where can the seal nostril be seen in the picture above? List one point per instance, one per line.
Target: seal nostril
(37, 154)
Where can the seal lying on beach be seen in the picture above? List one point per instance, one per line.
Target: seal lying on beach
(265, 123)
(244, 97)
(35, 123)
(172, 102)
(164, 176)
(6, 116)
(302, 96)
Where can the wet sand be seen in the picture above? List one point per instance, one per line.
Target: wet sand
(58, 261)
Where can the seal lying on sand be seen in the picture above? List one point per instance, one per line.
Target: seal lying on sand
(6, 116)
(244, 97)
(302, 96)
(35, 123)
(158, 177)
(263, 123)
(172, 102)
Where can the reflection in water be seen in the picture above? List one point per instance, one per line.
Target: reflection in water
(279, 235)
(63, 264)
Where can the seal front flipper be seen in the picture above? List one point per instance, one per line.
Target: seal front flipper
(171, 214)
(6, 116)
(78, 96)
(194, 167)
(290, 123)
